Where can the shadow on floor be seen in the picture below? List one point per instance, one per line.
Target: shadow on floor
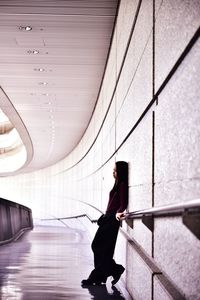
(101, 292)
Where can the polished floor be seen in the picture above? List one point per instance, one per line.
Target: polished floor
(49, 263)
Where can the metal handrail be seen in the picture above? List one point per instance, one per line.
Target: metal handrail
(166, 210)
(159, 211)
(71, 217)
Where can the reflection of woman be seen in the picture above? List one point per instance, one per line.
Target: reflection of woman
(101, 293)
(103, 244)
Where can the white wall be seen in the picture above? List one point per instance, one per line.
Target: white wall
(162, 150)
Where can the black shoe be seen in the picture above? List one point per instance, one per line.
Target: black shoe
(87, 282)
(117, 275)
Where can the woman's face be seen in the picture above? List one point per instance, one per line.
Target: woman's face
(115, 172)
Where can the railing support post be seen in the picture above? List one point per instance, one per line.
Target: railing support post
(192, 222)
(148, 221)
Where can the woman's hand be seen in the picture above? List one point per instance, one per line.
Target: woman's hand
(119, 215)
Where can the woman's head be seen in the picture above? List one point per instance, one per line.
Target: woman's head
(120, 171)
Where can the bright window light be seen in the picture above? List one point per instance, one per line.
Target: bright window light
(3, 117)
(13, 153)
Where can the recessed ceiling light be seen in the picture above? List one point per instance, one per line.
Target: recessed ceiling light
(43, 83)
(28, 28)
(39, 69)
(25, 28)
(33, 51)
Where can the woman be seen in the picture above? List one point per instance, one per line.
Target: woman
(103, 244)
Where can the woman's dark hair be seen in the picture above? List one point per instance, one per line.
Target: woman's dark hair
(122, 171)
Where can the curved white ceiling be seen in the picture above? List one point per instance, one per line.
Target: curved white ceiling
(52, 73)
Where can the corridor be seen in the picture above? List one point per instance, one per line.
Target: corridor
(86, 85)
(49, 263)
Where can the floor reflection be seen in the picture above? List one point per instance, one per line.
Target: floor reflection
(12, 257)
(49, 264)
(101, 293)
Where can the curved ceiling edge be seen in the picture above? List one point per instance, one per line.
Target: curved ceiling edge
(9, 110)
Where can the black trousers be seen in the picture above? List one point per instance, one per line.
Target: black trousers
(103, 246)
